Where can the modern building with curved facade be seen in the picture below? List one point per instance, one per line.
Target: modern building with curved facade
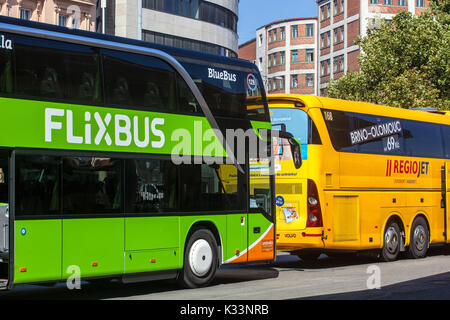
(203, 25)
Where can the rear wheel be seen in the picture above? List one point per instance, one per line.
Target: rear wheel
(420, 239)
(200, 260)
(391, 245)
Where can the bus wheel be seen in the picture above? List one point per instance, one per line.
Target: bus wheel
(420, 239)
(391, 246)
(200, 260)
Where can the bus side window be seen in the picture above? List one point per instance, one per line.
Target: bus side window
(6, 72)
(186, 99)
(92, 185)
(422, 139)
(37, 185)
(139, 81)
(151, 186)
(47, 69)
(446, 138)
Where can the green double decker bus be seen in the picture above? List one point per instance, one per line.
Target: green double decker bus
(116, 159)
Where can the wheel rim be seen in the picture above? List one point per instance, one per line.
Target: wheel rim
(420, 237)
(200, 257)
(391, 239)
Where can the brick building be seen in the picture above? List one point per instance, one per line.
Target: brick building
(79, 14)
(247, 51)
(286, 52)
(340, 24)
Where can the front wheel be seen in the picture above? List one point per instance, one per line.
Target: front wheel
(200, 260)
(420, 239)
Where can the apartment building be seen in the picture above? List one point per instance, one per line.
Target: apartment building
(78, 14)
(340, 24)
(286, 54)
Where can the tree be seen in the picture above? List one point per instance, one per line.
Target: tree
(405, 63)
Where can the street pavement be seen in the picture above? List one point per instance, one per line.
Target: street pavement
(289, 278)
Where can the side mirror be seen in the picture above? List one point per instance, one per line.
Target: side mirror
(296, 152)
(296, 149)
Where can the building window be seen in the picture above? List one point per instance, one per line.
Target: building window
(341, 63)
(402, 3)
(335, 35)
(294, 32)
(310, 80)
(25, 14)
(195, 9)
(322, 40)
(282, 58)
(373, 1)
(260, 64)
(388, 2)
(274, 34)
(322, 12)
(281, 82)
(260, 40)
(420, 3)
(270, 36)
(294, 81)
(294, 56)
(335, 64)
(322, 68)
(309, 55)
(310, 30)
(274, 84)
(282, 33)
(342, 5)
(62, 21)
(335, 7)
(342, 33)
(274, 59)
(328, 38)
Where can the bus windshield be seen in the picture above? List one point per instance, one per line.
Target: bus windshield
(293, 121)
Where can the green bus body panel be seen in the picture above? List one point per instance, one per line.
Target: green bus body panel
(152, 260)
(95, 245)
(31, 128)
(236, 235)
(49, 249)
(145, 233)
(37, 250)
(152, 243)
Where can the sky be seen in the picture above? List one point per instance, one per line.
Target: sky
(254, 14)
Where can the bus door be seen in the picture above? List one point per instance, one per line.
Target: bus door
(446, 198)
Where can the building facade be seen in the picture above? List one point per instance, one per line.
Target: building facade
(247, 51)
(208, 26)
(78, 14)
(341, 22)
(286, 54)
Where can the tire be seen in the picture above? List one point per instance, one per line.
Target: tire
(419, 239)
(200, 260)
(392, 241)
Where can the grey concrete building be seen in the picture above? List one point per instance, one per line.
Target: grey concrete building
(204, 25)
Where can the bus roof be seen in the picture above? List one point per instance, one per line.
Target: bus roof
(69, 33)
(309, 101)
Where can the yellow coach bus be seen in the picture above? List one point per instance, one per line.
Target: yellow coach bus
(373, 177)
